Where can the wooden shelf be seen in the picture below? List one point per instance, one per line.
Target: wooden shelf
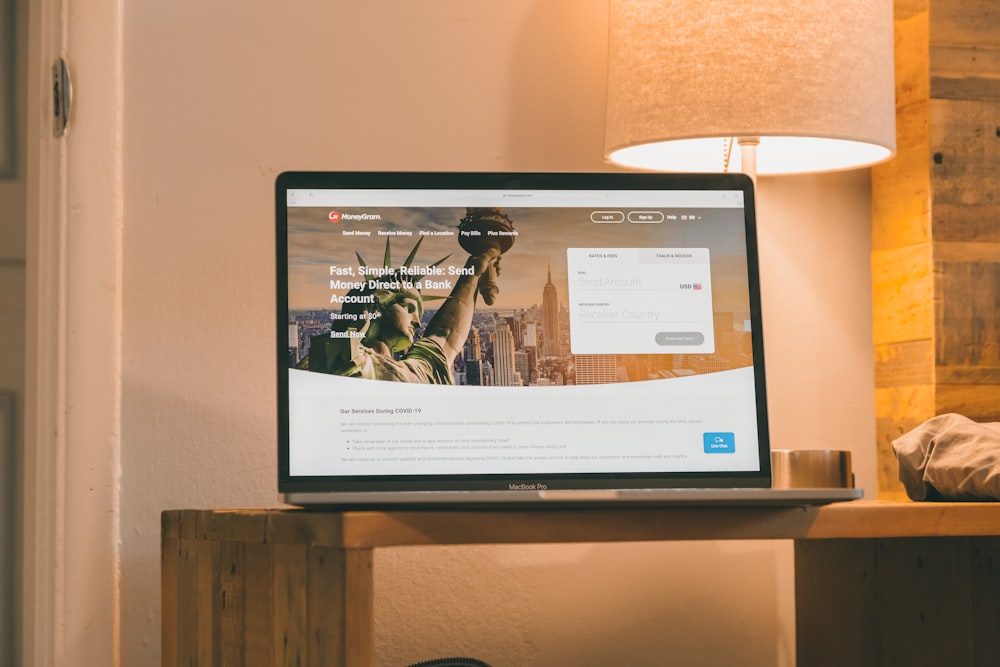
(371, 529)
(290, 586)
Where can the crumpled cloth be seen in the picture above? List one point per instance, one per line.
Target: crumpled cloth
(950, 457)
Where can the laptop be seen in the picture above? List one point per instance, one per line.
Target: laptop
(494, 339)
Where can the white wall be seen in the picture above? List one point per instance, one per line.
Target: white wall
(222, 96)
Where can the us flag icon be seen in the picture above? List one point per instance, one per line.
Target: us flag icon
(695, 285)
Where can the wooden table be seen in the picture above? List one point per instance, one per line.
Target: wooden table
(876, 583)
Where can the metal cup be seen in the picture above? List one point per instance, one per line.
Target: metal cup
(811, 469)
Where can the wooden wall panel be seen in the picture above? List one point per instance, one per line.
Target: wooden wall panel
(232, 603)
(207, 563)
(965, 50)
(898, 410)
(925, 587)
(835, 622)
(325, 624)
(900, 601)
(986, 611)
(965, 73)
(901, 214)
(359, 596)
(169, 585)
(258, 640)
(936, 225)
(965, 149)
(187, 604)
(965, 145)
(903, 294)
(903, 219)
(980, 402)
(904, 364)
(902, 257)
(289, 617)
(971, 23)
(968, 320)
(240, 590)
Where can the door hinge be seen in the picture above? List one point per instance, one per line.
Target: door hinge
(62, 94)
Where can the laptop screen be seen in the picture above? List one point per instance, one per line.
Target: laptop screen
(506, 332)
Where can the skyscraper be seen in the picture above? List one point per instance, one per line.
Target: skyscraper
(473, 351)
(522, 366)
(503, 356)
(516, 324)
(550, 319)
(472, 360)
(474, 372)
(293, 344)
(531, 335)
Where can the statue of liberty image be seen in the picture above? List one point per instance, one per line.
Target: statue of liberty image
(376, 336)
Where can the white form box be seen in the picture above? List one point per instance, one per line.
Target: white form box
(640, 301)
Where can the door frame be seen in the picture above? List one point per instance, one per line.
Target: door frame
(69, 513)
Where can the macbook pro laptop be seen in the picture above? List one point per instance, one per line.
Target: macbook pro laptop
(486, 338)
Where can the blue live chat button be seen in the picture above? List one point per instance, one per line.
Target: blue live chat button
(720, 443)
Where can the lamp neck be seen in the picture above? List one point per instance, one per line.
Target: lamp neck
(748, 157)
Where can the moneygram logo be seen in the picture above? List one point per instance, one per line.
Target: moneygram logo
(337, 216)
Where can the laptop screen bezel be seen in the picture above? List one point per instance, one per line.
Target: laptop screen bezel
(324, 484)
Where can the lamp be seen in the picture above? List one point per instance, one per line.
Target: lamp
(690, 81)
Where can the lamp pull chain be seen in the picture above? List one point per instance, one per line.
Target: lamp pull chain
(727, 153)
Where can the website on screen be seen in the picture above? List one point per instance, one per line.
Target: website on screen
(518, 332)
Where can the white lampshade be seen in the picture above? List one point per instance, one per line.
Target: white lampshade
(812, 79)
